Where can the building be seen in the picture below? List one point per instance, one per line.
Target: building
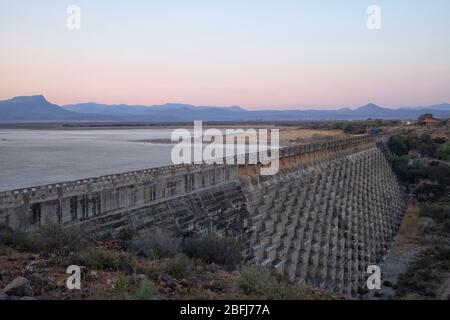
(430, 121)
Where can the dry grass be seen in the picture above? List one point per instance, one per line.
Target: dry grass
(409, 228)
(307, 135)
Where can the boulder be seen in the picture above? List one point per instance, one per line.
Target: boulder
(42, 283)
(426, 225)
(19, 287)
(30, 268)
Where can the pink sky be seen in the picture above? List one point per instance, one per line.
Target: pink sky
(286, 54)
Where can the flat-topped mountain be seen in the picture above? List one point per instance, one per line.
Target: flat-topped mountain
(38, 109)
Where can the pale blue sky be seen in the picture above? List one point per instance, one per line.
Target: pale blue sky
(254, 53)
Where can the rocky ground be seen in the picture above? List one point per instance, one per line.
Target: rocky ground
(118, 275)
(405, 250)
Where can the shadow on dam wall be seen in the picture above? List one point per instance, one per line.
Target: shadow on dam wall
(333, 209)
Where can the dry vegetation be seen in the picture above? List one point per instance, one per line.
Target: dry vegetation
(421, 162)
(134, 269)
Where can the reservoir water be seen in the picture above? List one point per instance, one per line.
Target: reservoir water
(37, 157)
(30, 157)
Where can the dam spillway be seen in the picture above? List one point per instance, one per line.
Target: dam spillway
(333, 208)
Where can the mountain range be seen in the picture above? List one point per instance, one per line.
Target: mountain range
(38, 109)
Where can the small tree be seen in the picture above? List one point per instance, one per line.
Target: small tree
(225, 252)
(443, 152)
(398, 145)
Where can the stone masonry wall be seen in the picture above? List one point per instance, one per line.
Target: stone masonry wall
(323, 224)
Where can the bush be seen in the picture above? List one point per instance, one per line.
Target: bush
(429, 192)
(355, 128)
(439, 212)
(6, 235)
(156, 245)
(439, 172)
(16, 239)
(121, 288)
(125, 288)
(443, 152)
(147, 290)
(125, 236)
(179, 266)
(425, 276)
(398, 145)
(151, 270)
(260, 284)
(225, 252)
(408, 170)
(48, 239)
(54, 238)
(98, 259)
(253, 281)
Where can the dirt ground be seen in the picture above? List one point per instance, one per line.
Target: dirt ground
(404, 251)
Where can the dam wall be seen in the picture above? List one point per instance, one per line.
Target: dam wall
(87, 199)
(325, 223)
(333, 208)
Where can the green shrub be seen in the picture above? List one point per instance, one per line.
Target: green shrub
(336, 126)
(121, 288)
(398, 145)
(6, 235)
(126, 235)
(425, 276)
(98, 259)
(408, 170)
(253, 281)
(125, 288)
(355, 128)
(56, 239)
(225, 252)
(260, 284)
(429, 192)
(439, 212)
(48, 239)
(147, 290)
(151, 270)
(443, 152)
(179, 265)
(423, 144)
(438, 172)
(156, 245)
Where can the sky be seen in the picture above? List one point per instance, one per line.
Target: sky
(258, 54)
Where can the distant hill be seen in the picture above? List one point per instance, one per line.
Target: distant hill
(38, 109)
(165, 112)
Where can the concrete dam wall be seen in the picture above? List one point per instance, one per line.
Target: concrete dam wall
(333, 209)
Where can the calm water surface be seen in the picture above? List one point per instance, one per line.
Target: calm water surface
(36, 157)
